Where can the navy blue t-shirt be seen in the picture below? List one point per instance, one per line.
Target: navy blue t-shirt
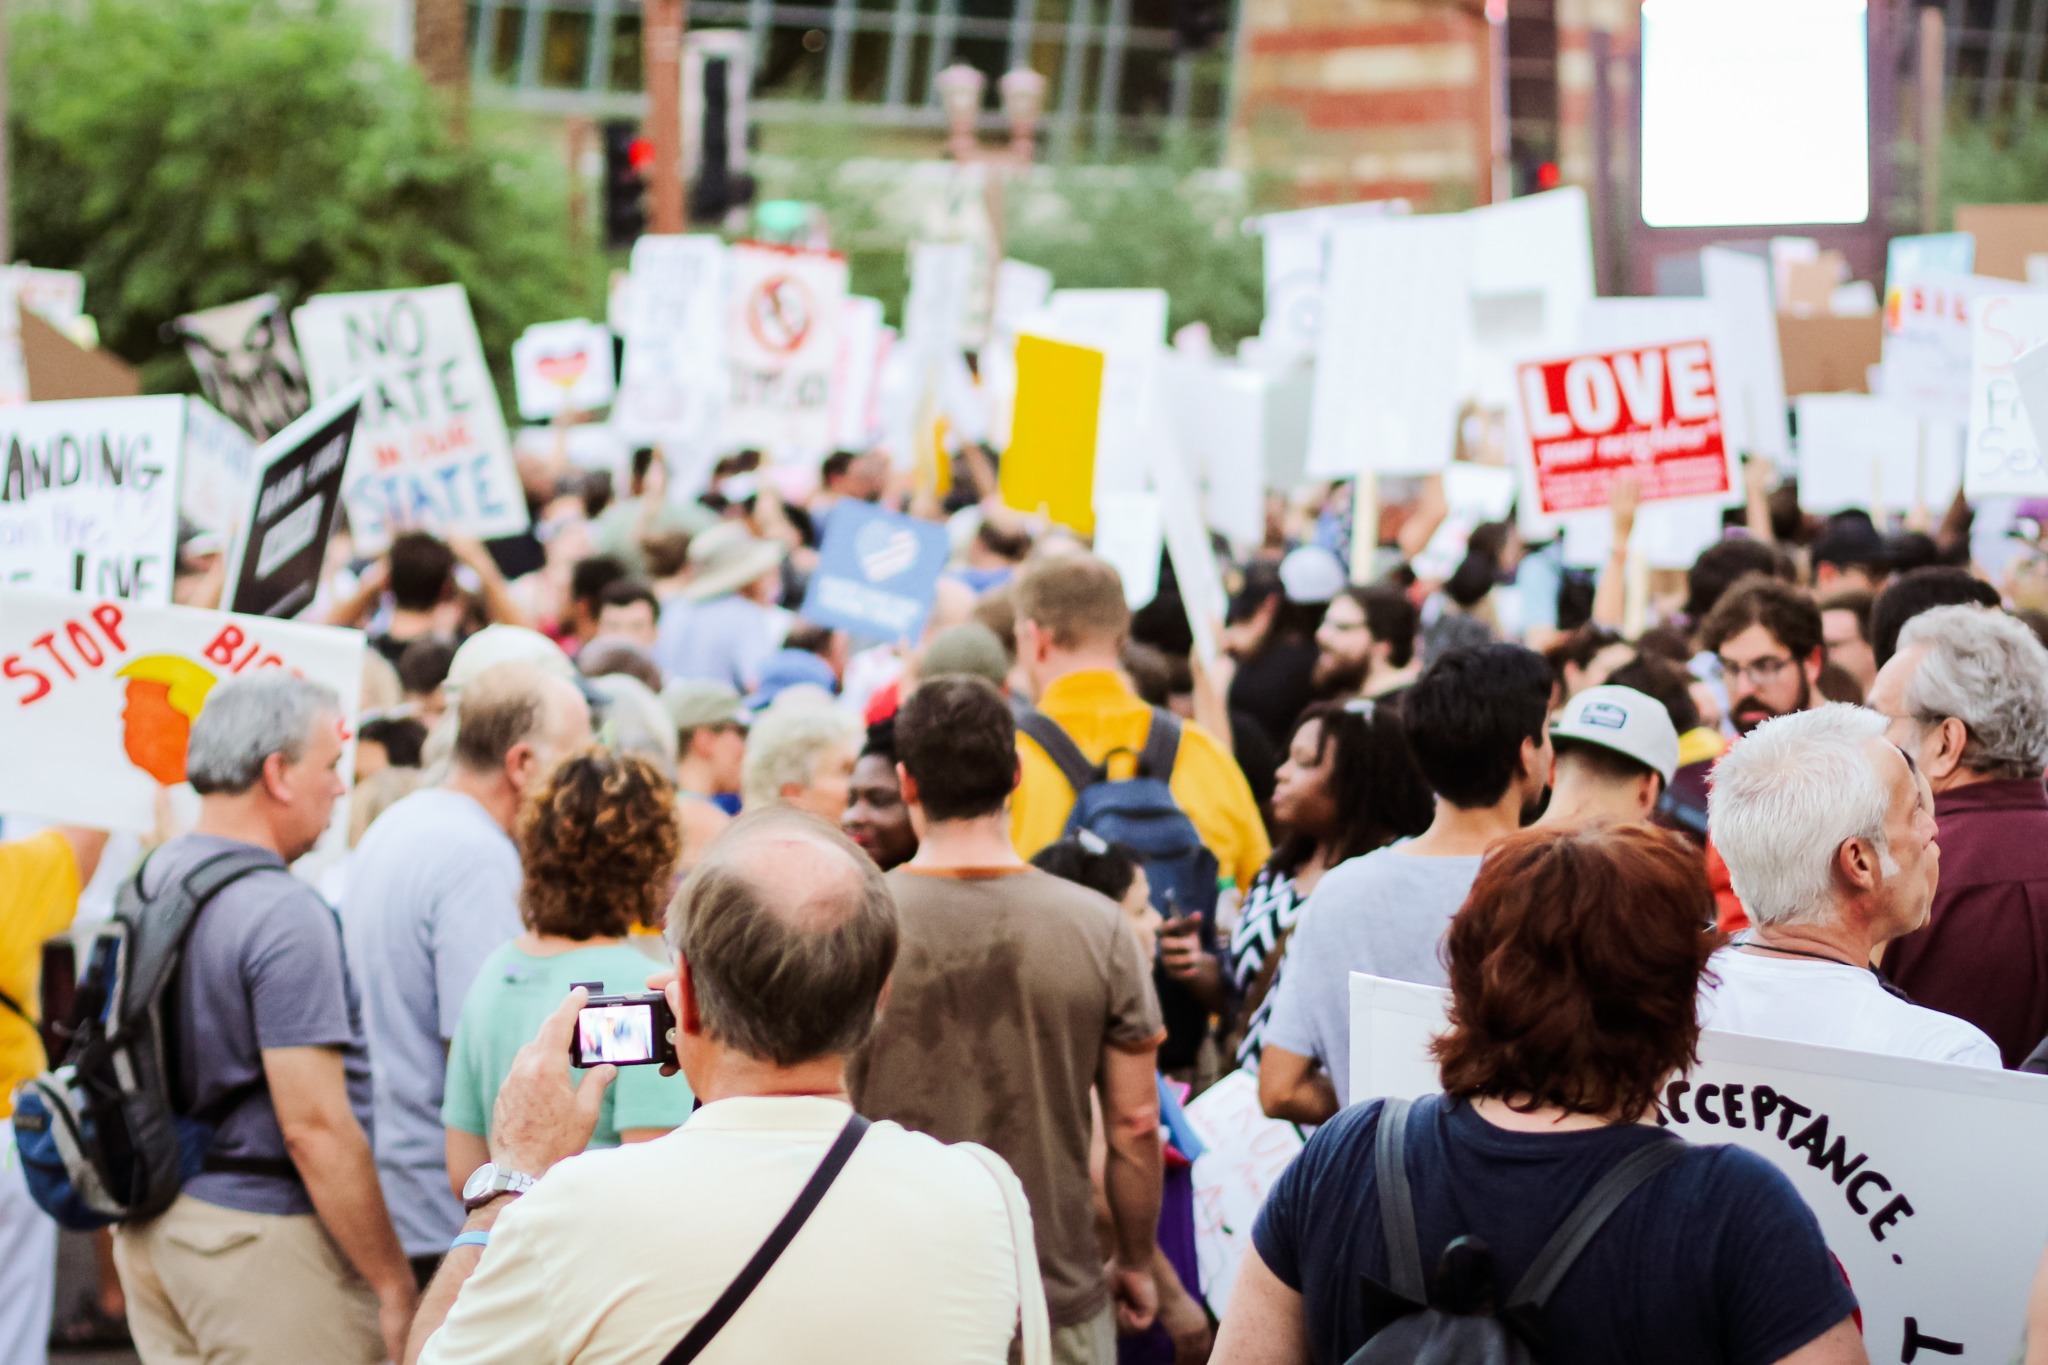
(1714, 1260)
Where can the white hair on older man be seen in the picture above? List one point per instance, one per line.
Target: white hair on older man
(785, 745)
(1787, 798)
(1988, 671)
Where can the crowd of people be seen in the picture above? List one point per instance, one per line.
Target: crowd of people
(951, 929)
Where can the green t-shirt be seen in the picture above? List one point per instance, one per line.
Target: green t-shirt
(513, 992)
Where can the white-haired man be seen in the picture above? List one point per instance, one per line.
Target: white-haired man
(801, 753)
(1828, 831)
(1967, 695)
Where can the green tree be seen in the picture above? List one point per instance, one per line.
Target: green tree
(187, 154)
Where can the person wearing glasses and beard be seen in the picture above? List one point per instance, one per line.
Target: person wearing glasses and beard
(1768, 639)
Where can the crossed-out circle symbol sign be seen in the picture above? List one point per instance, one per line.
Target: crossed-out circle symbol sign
(780, 313)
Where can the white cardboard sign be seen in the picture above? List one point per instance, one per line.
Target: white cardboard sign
(431, 452)
(782, 347)
(1246, 1152)
(2002, 455)
(1923, 1175)
(1744, 328)
(864, 346)
(217, 471)
(672, 377)
(562, 367)
(89, 496)
(1927, 344)
(1128, 535)
(97, 696)
(1863, 450)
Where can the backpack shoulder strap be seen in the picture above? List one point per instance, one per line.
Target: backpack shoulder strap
(1059, 746)
(1397, 1202)
(1584, 1222)
(1162, 746)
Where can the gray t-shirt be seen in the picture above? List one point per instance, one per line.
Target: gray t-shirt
(1383, 914)
(264, 968)
(433, 890)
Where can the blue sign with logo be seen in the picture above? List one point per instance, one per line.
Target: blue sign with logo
(877, 573)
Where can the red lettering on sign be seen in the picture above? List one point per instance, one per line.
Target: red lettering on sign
(14, 668)
(221, 649)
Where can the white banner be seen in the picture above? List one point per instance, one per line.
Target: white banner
(864, 347)
(1928, 343)
(2002, 455)
(431, 451)
(1923, 1175)
(1747, 359)
(218, 472)
(1295, 251)
(97, 697)
(562, 367)
(89, 496)
(782, 346)
(672, 378)
(1862, 450)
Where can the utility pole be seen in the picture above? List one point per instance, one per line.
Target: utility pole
(440, 48)
(662, 41)
(6, 165)
(1933, 50)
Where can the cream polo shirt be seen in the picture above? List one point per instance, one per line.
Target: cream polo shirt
(911, 1257)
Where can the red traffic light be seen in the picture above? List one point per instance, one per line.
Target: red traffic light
(640, 153)
(1548, 176)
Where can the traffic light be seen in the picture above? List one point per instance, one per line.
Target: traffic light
(627, 156)
(720, 186)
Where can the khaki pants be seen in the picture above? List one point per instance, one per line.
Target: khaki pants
(214, 1285)
(1087, 1343)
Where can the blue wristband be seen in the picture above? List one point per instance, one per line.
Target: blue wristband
(471, 1239)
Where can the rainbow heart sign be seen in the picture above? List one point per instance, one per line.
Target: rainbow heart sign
(877, 573)
(560, 367)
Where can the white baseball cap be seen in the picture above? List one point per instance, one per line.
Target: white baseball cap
(1310, 574)
(1631, 723)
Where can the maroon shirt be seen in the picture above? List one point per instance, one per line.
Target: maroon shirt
(1983, 955)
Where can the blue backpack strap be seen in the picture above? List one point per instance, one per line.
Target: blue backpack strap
(1162, 746)
(1059, 746)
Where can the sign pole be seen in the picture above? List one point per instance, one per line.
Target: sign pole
(1933, 47)
(1365, 523)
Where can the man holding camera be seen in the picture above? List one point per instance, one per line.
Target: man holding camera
(914, 1251)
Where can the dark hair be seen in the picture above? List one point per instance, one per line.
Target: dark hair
(956, 738)
(1667, 682)
(402, 738)
(1579, 648)
(1390, 618)
(1467, 716)
(881, 740)
(422, 570)
(1857, 602)
(1380, 793)
(1851, 541)
(997, 609)
(836, 464)
(1906, 596)
(624, 592)
(809, 637)
(1574, 970)
(424, 664)
(1665, 642)
(667, 552)
(590, 577)
(598, 844)
(1785, 611)
(603, 657)
(1291, 620)
(1724, 562)
(1109, 871)
(1609, 764)
(643, 460)
(1151, 672)
(1012, 543)
(594, 490)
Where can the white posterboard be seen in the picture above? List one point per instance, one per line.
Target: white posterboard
(1859, 450)
(672, 376)
(1128, 537)
(2001, 454)
(1294, 247)
(1245, 1153)
(217, 473)
(560, 367)
(1532, 275)
(1922, 1174)
(89, 496)
(782, 348)
(864, 346)
(1747, 359)
(1927, 344)
(99, 696)
(431, 452)
(1188, 546)
(1218, 412)
(1129, 327)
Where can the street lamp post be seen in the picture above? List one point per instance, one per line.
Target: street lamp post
(1022, 92)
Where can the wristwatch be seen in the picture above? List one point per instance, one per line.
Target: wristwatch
(490, 1180)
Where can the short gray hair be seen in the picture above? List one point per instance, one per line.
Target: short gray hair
(784, 747)
(1989, 672)
(1786, 798)
(246, 720)
(778, 978)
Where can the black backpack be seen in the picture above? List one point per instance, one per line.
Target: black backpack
(1460, 1324)
(104, 1137)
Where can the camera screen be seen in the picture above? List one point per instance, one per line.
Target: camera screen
(616, 1033)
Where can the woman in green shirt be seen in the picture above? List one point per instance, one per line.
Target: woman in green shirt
(599, 845)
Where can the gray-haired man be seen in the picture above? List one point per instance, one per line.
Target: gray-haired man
(281, 1249)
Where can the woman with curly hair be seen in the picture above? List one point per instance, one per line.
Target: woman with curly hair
(599, 843)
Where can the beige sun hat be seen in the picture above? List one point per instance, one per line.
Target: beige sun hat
(728, 557)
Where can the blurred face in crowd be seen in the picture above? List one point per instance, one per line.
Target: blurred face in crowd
(876, 817)
(1346, 647)
(632, 621)
(865, 478)
(723, 749)
(1304, 801)
(1911, 862)
(1843, 634)
(826, 794)
(1763, 678)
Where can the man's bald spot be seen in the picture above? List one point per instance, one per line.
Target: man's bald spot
(804, 871)
(515, 702)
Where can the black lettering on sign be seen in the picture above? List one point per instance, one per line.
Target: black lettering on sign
(1701, 1098)
(1900, 1207)
(1918, 1341)
(1673, 1093)
(1801, 1129)
(1854, 1194)
(1814, 1140)
(1731, 1106)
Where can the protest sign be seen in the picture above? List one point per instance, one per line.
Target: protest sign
(1749, 368)
(1925, 371)
(864, 347)
(97, 696)
(1531, 277)
(2005, 234)
(1919, 1172)
(1128, 326)
(246, 363)
(1829, 354)
(782, 345)
(1188, 546)
(2002, 454)
(1245, 1152)
(274, 569)
(216, 470)
(1218, 412)
(1652, 410)
(1668, 535)
(560, 367)
(1934, 253)
(430, 451)
(1021, 290)
(1295, 250)
(935, 309)
(1129, 537)
(877, 573)
(1864, 450)
(1049, 467)
(672, 377)
(89, 496)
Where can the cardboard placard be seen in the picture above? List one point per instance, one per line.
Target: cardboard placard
(560, 367)
(1129, 535)
(58, 368)
(246, 363)
(1829, 354)
(97, 697)
(2002, 454)
(877, 573)
(2006, 234)
(430, 450)
(89, 496)
(672, 377)
(1919, 1172)
(282, 547)
(1050, 465)
(1744, 329)
(1245, 1153)
(1865, 451)
(1128, 326)
(1651, 409)
(782, 346)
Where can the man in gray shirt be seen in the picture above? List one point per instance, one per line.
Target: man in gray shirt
(433, 890)
(1477, 725)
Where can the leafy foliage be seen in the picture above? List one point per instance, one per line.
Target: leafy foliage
(188, 154)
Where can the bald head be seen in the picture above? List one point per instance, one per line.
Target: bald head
(790, 934)
(511, 705)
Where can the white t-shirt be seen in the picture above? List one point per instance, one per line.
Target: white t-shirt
(1834, 1005)
(911, 1258)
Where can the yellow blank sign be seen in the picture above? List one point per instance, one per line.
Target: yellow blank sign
(1051, 460)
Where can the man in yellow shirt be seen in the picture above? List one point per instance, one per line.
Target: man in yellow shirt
(40, 879)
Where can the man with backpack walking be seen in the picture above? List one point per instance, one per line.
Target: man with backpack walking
(280, 1248)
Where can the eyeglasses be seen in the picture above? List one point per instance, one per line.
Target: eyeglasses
(1763, 672)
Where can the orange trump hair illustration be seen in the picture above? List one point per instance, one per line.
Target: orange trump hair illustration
(164, 694)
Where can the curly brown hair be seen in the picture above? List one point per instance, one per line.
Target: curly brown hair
(1575, 967)
(599, 842)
